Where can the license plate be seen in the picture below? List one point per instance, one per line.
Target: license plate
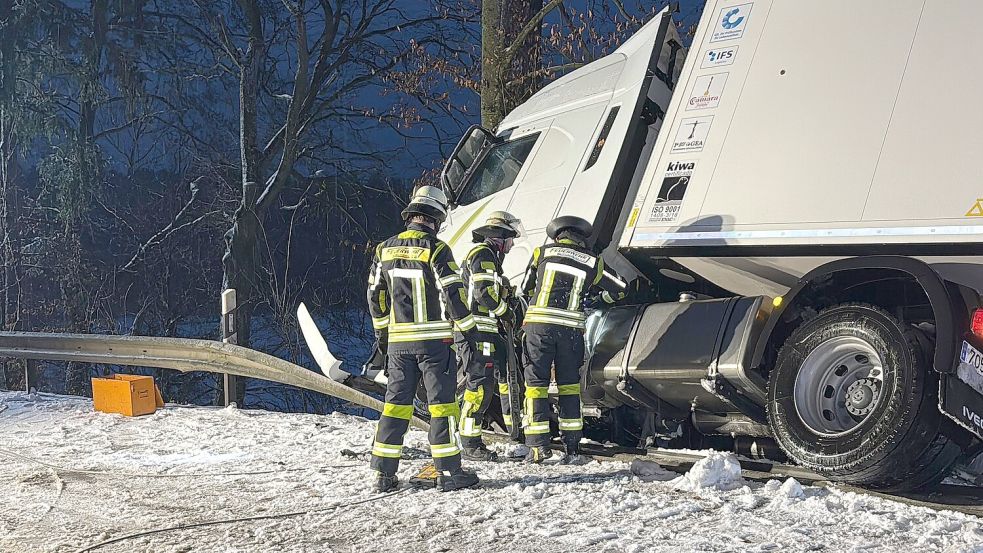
(972, 357)
(970, 369)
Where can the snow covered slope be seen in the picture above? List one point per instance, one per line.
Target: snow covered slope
(189, 465)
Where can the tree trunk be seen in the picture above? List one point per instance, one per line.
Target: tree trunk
(524, 70)
(492, 72)
(9, 236)
(240, 263)
(501, 22)
(73, 286)
(10, 310)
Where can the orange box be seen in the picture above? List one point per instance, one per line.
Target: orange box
(126, 394)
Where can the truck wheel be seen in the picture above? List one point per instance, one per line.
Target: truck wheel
(853, 397)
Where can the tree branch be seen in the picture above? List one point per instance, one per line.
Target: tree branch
(527, 29)
(166, 232)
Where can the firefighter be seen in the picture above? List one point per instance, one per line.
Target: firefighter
(488, 297)
(413, 285)
(560, 276)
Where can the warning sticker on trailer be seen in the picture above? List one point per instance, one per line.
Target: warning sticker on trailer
(636, 209)
(670, 198)
(976, 210)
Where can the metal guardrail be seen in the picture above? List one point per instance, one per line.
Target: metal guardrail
(182, 354)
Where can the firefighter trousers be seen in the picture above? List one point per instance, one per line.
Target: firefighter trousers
(438, 371)
(561, 349)
(484, 365)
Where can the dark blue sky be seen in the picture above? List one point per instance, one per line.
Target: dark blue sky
(421, 150)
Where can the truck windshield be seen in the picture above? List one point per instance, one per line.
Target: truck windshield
(498, 170)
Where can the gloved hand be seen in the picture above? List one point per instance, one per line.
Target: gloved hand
(382, 341)
(379, 352)
(592, 302)
(507, 290)
(471, 339)
(508, 318)
(375, 363)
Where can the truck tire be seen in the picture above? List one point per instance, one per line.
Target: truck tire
(853, 397)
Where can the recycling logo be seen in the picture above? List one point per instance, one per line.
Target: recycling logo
(733, 20)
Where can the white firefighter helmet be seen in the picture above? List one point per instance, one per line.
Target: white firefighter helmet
(429, 201)
(500, 224)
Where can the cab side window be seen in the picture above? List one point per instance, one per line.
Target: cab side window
(498, 170)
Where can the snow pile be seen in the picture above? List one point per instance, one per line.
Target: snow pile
(718, 470)
(183, 466)
(791, 489)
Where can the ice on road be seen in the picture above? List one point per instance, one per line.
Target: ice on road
(210, 464)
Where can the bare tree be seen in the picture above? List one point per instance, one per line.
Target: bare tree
(302, 69)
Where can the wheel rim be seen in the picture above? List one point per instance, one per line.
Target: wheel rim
(838, 386)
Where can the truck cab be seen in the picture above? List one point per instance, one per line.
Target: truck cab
(574, 148)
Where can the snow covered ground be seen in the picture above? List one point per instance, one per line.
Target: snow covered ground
(213, 464)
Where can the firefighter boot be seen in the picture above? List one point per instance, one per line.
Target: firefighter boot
(448, 481)
(572, 455)
(479, 452)
(538, 454)
(385, 482)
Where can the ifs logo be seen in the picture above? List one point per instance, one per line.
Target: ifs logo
(733, 20)
(720, 57)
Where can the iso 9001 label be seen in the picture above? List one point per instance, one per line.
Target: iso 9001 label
(665, 212)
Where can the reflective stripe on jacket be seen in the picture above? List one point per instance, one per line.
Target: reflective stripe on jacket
(560, 275)
(487, 294)
(415, 292)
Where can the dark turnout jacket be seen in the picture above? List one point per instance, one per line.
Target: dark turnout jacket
(487, 290)
(560, 275)
(415, 293)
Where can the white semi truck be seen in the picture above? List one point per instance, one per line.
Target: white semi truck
(798, 196)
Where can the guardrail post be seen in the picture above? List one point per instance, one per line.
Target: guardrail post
(31, 376)
(230, 383)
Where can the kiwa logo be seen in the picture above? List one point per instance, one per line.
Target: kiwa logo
(677, 166)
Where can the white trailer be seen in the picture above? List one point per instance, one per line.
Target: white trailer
(815, 186)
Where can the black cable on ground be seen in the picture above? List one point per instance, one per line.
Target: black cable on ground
(235, 520)
(67, 470)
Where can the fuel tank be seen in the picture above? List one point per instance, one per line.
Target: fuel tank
(680, 359)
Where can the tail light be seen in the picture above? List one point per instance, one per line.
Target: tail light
(977, 325)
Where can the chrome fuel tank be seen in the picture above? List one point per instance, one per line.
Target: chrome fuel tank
(671, 354)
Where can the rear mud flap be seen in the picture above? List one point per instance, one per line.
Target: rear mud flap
(961, 403)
